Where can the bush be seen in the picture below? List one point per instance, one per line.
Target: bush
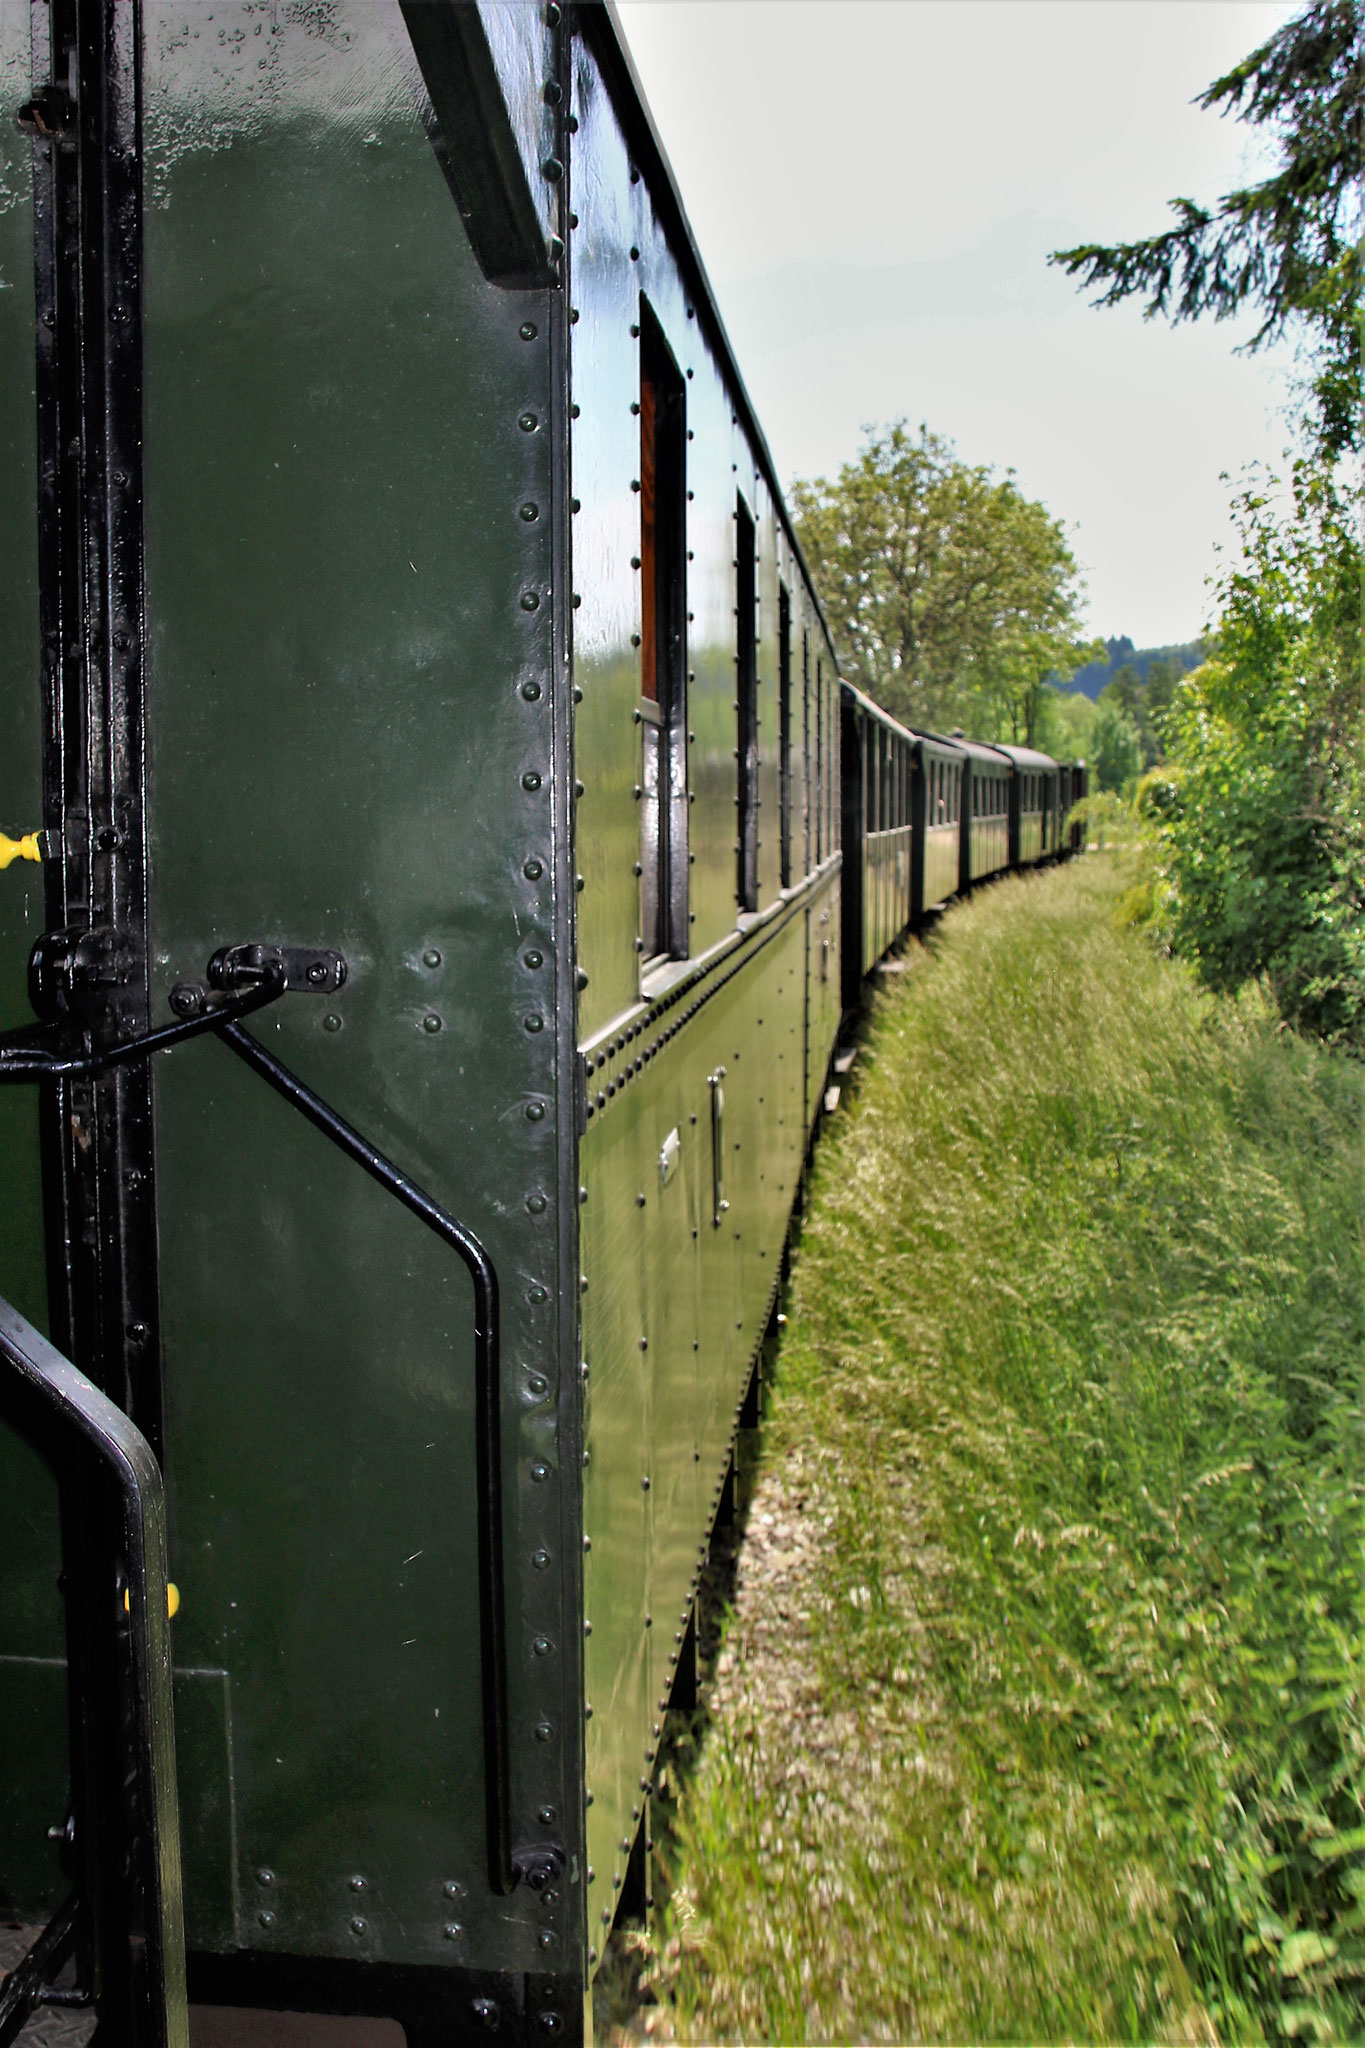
(1259, 817)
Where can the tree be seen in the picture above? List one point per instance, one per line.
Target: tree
(1145, 703)
(1116, 747)
(1260, 812)
(951, 596)
(1290, 245)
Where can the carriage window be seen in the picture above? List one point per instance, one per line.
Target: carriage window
(805, 751)
(746, 696)
(784, 725)
(821, 766)
(663, 611)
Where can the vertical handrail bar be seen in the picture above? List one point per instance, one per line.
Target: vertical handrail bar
(487, 1420)
(34, 1376)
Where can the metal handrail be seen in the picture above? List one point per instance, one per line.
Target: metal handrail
(25, 1058)
(57, 1407)
(487, 1407)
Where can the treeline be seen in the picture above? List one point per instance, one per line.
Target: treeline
(1255, 819)
(1120, 653)
(955, 600)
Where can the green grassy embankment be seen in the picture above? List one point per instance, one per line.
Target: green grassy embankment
(1039, 1717)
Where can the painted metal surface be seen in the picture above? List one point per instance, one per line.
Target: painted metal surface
(33, 1642)
(675, 1288)
(1034, 806)
(350, 501)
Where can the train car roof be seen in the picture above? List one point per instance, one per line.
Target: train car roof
(1027, 757)
(995, 757)
(872, 708)
(602, 25)
(919, 734)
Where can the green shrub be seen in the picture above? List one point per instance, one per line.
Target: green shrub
(1261, 818)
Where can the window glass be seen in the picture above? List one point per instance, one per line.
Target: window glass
(784, 726)
(746, 697)
(663, 633)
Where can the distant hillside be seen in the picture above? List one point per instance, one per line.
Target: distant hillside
(1122, 654)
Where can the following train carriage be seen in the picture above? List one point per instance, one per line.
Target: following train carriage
(434, 830)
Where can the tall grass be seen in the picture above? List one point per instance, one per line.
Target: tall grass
(1040, 1717)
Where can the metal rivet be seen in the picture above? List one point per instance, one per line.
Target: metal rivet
(358, 1927)
(537, 1384)
(265, 1877)
(534, 1023)
(552, 169)
(452, 1930)
(545, 1938)
(530, 512)
(534, 958)
(357, 1884)
(544, 1732)
(538, 1294)
(531, 692)
(529, 601)
(540, 1559)
(540, 1471)
(266, 1919)
(431, 958)
(485, 2012)
(528, 330)
(533, 870)
(542, 1646)
(536, 1204)
(535, 1111)
(528, 423)
(431, 1024)
(530, 780)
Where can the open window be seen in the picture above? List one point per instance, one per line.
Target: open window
(746, 701)
(663, 648)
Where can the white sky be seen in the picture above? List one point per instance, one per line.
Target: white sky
(875, 185)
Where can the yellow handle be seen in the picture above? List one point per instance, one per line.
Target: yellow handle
(19, 849)
(172, 1599)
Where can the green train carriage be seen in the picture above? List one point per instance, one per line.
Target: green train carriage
(412, 682)
(409, 663)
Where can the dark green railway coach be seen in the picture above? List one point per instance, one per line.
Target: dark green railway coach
(408, 666)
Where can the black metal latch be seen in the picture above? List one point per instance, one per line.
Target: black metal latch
(82, 985)
(50, 116)
(307, 970)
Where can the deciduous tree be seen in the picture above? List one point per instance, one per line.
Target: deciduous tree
(952, 597)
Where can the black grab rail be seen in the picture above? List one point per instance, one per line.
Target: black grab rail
(25, 1057)
(126, 1916)
(488, 1437)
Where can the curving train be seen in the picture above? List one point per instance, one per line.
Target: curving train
(443, 854)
